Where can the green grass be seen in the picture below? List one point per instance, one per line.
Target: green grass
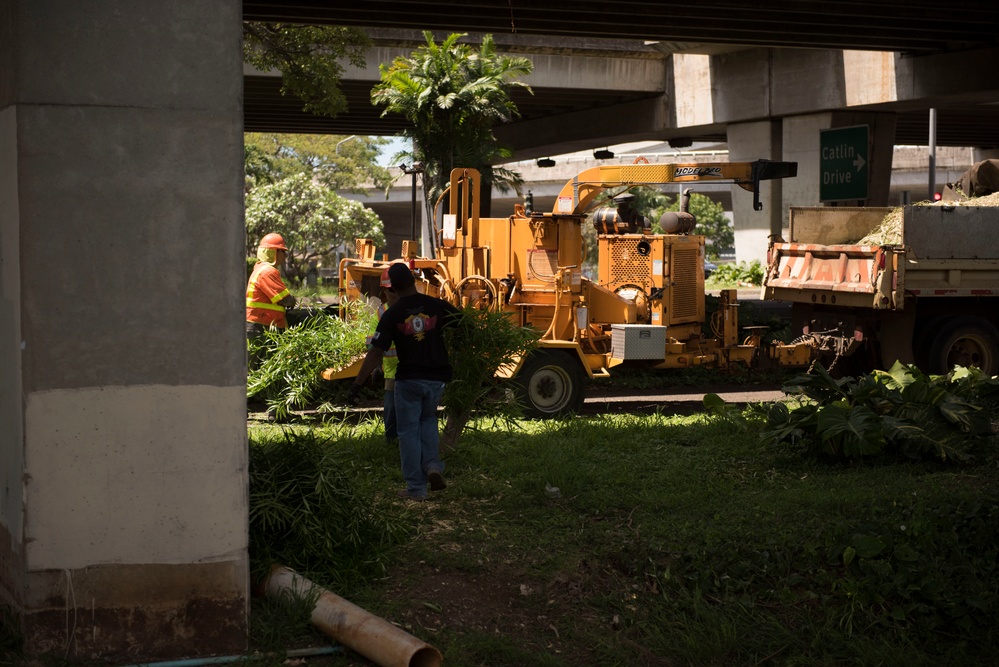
(659, 539)
(11, 638)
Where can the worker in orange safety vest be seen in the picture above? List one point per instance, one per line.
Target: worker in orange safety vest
(267, 297)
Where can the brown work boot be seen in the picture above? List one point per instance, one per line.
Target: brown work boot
(436, 480)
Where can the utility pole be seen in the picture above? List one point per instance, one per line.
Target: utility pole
(932, 171)
(417, 168)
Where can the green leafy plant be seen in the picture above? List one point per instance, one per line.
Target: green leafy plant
(743, 273)
(307, 513)
(290, 374)
(482, 342)
(899, 411)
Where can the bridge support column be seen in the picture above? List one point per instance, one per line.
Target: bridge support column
(747, 142)
(123, 503)
(802, 144)
(797, 139)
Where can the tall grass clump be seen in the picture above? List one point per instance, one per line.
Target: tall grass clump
(308, 513)
(284, 620)
(11, 637)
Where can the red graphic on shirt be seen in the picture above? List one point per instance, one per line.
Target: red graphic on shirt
(418, 325)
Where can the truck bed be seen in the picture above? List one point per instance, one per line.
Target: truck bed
(943, 251)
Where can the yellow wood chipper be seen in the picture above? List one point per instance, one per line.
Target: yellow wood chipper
(645, 307)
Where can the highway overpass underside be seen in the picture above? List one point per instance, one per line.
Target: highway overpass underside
(764, 102)
(774, 104)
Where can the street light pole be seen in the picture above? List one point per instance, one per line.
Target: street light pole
(336, 149)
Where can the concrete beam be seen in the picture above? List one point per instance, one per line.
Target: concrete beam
(574, 70)
(642, 120)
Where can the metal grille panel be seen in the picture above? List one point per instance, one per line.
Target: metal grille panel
(684, 283)
(647, 173)
(627, 266)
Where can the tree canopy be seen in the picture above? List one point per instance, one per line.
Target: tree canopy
(454, 94)
(336, 161)
(309, 58)
(315, 222)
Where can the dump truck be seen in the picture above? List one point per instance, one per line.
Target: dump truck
(645, 307)
(871, 286)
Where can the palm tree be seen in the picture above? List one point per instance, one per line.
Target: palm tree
(454, 95)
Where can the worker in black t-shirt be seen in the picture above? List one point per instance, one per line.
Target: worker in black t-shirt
(415, 324)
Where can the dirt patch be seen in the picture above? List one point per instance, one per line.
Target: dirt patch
(490, 603)
(551, 617)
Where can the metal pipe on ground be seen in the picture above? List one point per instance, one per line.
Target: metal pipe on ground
(373, 637)
(227, 659)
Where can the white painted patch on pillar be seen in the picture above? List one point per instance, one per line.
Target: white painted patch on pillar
(801, 145)
(869, 77)
(692, 74)
(139, 474)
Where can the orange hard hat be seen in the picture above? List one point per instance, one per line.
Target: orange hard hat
(273, 240)
(386, 282)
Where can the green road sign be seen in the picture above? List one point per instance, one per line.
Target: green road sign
(843, 160)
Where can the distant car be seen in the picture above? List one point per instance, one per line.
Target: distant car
(709, 268)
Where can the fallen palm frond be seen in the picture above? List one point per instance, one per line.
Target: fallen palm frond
(483, 341)
(290, 375)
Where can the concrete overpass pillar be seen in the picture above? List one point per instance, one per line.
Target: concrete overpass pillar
(797, 139)
(123, 503)
(748, 142)
(801, 144)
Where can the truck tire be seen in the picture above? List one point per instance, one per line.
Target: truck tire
(923, 338)
(550, 384)
(965, 341)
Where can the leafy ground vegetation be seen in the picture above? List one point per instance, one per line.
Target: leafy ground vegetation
(733, 275)
(720, 538)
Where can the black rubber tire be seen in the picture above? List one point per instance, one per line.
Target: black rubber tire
(922, 340)
(965, 341)
(550, 384)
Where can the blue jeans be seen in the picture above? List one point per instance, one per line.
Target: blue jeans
(416, 419)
